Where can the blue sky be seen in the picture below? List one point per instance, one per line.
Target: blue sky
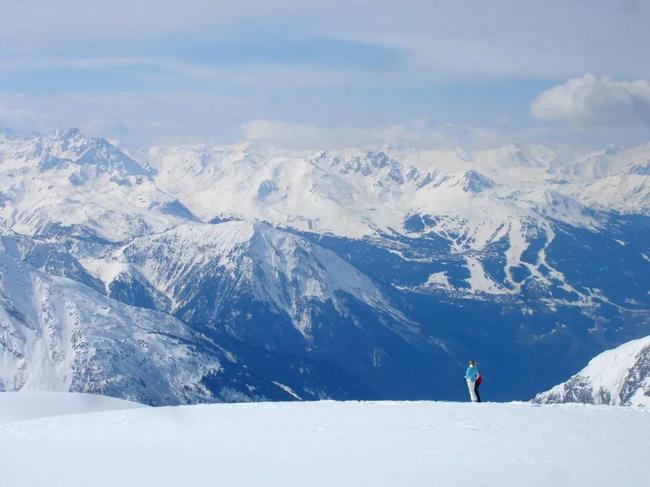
(305, 73)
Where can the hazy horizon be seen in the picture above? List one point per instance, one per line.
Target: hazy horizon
(307, 74)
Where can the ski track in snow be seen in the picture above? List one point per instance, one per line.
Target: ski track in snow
(332, 444)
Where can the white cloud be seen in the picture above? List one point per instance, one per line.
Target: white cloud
(418, 133)
(137, 118)
(182, 117)
(591, 100)
(18, 119)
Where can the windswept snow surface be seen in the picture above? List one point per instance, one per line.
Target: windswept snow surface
(20, 406)
(332, 444)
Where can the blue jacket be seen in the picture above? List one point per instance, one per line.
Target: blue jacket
(472, 373)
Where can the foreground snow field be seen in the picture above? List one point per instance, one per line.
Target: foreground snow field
(331, 444)
(20, 406)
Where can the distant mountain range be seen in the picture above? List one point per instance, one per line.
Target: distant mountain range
(206, 273)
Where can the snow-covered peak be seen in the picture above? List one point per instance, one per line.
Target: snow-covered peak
(72, 145)
(618, 377)
(560, 207)
(68, 139)
(608, 162)
(518, 155)
(66, 180)
(469, 181)
(66, 147)
(377, 166)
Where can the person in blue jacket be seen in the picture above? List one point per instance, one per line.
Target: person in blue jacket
(473, 378)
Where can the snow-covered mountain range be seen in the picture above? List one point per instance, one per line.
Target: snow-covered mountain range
(61, 334)
(200, 273)
(617, 377)
(354, 193)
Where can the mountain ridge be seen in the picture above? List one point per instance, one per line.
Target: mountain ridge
(347, 274)
(620, 376)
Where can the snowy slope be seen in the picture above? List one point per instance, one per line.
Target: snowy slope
(59, 335)
(619, 377)
(58, 332)
(235, 258)
(21, 406)
(330, 443)
(277, 291)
